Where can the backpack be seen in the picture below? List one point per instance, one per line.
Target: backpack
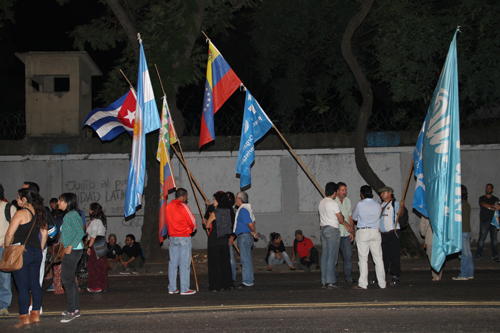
(7, 212)
(403, 219)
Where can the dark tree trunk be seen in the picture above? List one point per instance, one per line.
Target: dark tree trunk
(126, 23)
(365, 110)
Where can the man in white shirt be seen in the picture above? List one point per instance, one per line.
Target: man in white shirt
(368, 239)
(330, 219)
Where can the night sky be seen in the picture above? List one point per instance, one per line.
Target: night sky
(44, 26)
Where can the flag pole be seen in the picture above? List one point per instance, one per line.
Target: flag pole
(300, 162)
(126, 78)
(404, 193)
(181, 159)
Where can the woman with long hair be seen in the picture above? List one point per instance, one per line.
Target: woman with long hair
(29, 221)
(71, 238)
(97, 268)
(276, 252)
(219, 222)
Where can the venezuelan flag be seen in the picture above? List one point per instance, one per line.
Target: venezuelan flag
(221, 83)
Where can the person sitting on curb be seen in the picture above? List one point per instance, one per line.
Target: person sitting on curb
(304, 248)
(113, 255)
(131, 256)
(276, 253)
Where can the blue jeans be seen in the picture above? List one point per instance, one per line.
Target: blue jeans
(484, 227)
(27, 279)
(467, 264)
(233, 262)
(273, 261)
(69, 265)
(245, 243)
(330, 242)
(5, 287)
(346, 250)
(180, 258)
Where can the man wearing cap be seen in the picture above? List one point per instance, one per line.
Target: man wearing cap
(368, 240)
(304, 248)
(391, 236)
(113, 253)
(346, 237)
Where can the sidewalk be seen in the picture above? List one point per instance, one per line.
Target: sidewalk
(259, 264)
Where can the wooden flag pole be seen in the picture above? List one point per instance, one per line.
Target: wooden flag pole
(300, 162)
(404, 194)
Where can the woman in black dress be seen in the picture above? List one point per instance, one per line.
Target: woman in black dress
(219, 221)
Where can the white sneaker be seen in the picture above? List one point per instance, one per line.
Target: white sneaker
(174, 292)
(188, 292)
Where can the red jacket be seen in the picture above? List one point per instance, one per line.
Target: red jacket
(180, 221)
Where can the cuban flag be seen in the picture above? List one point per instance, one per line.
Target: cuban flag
(441, 163)
(167, 178)
(221, 83)
(146, 120)
(115, 119)
(255, 125)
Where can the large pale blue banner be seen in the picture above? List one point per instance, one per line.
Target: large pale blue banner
(255, 125)
(441, 163)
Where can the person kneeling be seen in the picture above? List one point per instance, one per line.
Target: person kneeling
(131, 256)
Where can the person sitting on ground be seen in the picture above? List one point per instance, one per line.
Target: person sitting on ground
(113, 255)
(131, 256)
(304, 248)
(276, 253)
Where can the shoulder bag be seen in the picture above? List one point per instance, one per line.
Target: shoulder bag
(12, 257)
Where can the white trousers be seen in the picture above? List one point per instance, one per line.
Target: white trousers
(370, 241)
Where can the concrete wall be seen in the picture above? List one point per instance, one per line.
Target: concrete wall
(282, 196)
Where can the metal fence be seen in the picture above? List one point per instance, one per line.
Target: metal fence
(12, 125)
(228, 122)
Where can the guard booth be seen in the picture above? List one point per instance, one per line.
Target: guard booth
(58, 92)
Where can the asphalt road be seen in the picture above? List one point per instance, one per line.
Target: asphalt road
(282, 301)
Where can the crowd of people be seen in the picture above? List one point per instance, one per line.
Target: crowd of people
(28, 222)
(230, 225)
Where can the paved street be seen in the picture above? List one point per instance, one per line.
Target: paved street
(284, 300)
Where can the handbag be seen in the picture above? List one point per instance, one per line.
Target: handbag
(12, 257)
(100, 247)
(58, 252)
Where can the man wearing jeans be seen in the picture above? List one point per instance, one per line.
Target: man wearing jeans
(244, 228)
(330, 218)
(487, 205)
(181, 223)
(5, 277)
(346, 237)
(467, 263)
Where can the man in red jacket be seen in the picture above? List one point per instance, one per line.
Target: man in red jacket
(181, 223)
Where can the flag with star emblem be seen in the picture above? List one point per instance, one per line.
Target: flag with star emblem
(147, 120)
(220, 84)
(167, 178)
(115, 119)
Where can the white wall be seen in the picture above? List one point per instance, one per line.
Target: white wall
(282, 196)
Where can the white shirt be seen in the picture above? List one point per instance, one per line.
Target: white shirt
(388, 219)
(96, 228)
(328, 208)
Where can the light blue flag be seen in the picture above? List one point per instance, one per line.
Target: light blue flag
(441, 163)
(147, 120)
(255, 125)
(419, 202)
(494, 222)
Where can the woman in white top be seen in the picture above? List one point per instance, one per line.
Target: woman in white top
(97, 267)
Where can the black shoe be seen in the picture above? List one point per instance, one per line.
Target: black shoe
(496, 259)
(374, 281)
(324, 286)
(244, 286)
(477, 257)
(317, 267)
(353, 281)
(334, 286)
(304, 268)
(395, 280)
